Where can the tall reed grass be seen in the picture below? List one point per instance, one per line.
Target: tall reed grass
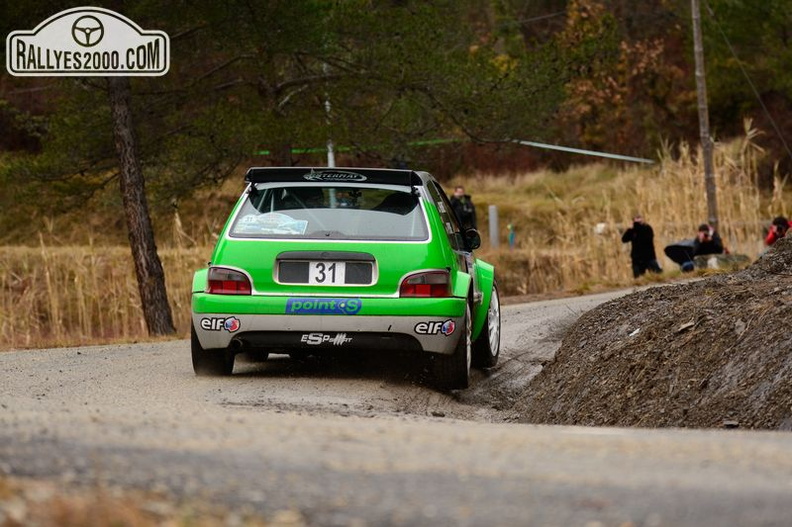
(569, 226)
(568, 230)
(67, 295)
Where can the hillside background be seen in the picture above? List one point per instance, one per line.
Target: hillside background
(440, 85)
(443, 86)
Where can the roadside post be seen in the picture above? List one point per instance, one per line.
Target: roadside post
(493, 227)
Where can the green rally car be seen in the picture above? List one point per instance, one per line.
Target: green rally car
(319, 259)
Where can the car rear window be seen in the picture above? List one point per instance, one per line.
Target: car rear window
(322, 212)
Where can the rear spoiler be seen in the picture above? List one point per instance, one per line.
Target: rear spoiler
(407, 178)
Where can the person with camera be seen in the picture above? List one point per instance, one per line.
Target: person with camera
(463, 208)
(708, 241)
(778, 229)
(642, 252)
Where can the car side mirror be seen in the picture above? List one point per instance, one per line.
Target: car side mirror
(472, 239)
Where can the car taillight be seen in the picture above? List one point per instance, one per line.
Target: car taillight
(228, 282)
(426, 285)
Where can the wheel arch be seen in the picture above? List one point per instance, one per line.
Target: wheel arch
(485, 278)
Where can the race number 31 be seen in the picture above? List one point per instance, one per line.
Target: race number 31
(327, 273)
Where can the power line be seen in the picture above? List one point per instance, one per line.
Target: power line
(594, 153)
(747, 78)
(541, 17)
(435, 142)
(532, 19)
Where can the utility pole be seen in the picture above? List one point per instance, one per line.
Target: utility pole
(706, 140)
(330, 148)
(328, 109)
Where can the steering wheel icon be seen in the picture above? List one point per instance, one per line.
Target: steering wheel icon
(87, 31)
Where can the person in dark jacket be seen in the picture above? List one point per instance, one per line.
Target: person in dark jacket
(463, 208)
(708, 241)
(642, 251)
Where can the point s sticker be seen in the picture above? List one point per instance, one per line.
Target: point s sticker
(323, 306)
(433, 328)
(230, 324)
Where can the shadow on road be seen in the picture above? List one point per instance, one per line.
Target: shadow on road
(406, 368)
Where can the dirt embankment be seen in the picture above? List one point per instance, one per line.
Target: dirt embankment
(712, 353)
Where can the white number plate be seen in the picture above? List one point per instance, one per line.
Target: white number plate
(326, 273)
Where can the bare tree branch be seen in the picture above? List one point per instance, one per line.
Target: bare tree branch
(189, 31)
(314, 79)
(289, 95)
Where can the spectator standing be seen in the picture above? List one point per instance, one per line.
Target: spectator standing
(463, 208)
(778, 229)
(642, 251)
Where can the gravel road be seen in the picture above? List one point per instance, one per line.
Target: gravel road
(356, 441)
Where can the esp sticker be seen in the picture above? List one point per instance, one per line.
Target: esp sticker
(315, 339)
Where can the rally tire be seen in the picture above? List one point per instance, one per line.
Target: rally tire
(486, 349)
(452, 372)
(211, 362)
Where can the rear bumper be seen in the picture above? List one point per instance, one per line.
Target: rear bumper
(424, 324)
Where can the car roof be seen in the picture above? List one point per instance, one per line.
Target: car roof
(388, 176)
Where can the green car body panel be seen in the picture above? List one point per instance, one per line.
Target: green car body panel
(485, 274)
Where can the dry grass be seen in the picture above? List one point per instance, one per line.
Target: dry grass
(72, 295)
(568, 229)
(569, 225)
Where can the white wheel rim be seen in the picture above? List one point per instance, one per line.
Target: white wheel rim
(493, 322)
